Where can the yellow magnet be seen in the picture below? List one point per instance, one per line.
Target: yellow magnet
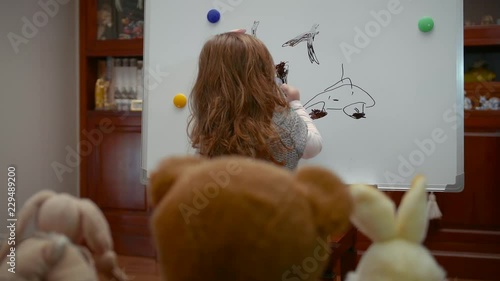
(180, 100)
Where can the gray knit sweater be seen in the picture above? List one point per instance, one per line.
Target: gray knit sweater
(293, 132)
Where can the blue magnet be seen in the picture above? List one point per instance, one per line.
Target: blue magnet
(213, 16)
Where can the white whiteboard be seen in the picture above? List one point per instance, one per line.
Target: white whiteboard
(407, 83)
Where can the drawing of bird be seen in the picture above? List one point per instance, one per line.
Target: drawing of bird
(254, 28)
(306, 36)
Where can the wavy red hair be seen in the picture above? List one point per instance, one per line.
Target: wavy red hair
(234, 98)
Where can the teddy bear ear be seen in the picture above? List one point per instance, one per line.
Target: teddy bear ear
(166, 173)
(329, 198)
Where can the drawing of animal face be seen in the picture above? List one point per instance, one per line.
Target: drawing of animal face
(317, 114)
(355, 110)
(343, 95)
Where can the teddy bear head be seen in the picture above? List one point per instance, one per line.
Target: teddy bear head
(234, 218)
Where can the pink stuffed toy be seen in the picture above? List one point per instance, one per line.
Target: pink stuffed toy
(80, 220)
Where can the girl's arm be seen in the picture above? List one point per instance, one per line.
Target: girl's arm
(314, 142)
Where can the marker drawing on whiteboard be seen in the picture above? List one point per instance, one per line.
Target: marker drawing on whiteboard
(316, 113)
(254, 28)
(282, 71)
(343, 95)
(309, 36)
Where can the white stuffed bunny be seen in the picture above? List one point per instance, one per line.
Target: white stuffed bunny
(397, 253)
(79, 219)
(48, 257)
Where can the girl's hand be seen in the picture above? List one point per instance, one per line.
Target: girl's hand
(290, 92)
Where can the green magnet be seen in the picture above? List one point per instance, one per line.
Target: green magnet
(426, 24)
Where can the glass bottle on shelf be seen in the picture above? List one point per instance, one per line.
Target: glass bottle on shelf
(131, 77)
(101, 86)
(124, 89)
(100, 93)
(140, 81)
(117, 78)
(109, 101)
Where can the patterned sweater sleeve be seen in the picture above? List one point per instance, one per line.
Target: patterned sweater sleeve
(314, 142)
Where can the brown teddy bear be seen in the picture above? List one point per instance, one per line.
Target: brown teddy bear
(234, 218)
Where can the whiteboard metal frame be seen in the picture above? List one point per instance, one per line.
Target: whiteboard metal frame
(457, 186)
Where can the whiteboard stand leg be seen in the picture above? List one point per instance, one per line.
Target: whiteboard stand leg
(433, 208)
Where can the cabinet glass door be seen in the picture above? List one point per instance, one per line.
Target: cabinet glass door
(120, 19)
(481, 12)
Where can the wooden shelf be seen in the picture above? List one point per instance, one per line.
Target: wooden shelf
(115, 48)
(482, 88)
(110, 168)
(487, 35)
(111, 113)
(482, 120)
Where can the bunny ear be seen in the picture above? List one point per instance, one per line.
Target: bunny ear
(374, 213)
(28, 211)
(412, 213)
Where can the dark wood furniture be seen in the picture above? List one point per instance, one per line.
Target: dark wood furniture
(147, 269)
(110, 172)
(343, 256)
(113, 182)
(481, 35)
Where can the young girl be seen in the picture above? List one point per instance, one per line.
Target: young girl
(238, 108)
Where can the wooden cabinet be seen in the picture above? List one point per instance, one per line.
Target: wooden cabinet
(114, 180)
(482, 50)
(111, 165)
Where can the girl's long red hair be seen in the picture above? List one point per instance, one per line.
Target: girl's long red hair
(234, 98)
